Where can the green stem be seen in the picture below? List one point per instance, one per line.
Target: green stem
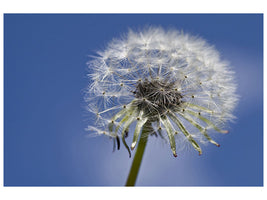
(139, 154)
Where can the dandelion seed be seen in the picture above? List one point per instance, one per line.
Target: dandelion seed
(174, 82)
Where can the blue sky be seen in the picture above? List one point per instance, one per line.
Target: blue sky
(44, 74)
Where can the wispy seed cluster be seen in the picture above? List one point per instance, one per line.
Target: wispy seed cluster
(171, 80)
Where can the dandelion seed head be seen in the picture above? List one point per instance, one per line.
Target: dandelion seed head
(176, 81)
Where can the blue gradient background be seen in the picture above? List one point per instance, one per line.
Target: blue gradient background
(44, 74)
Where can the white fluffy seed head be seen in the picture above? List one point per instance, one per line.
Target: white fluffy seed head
(158, 71)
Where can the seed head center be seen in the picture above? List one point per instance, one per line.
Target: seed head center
(161, 95)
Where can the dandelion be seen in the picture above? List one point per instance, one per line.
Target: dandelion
(163, 83)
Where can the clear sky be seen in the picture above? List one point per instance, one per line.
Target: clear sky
(45, 73)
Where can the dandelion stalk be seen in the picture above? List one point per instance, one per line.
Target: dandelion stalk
(138, 155)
